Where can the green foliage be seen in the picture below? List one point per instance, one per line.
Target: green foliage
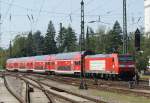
(3, 58)
(66, 40)
(141, 61)
(38, 42)
(70, 40)
(49, 41)
(89, 39)
(19, 46)
(102, 42)
(29, 45)
(131, 44)
(114, 39)
(141, 57)
(61, 39)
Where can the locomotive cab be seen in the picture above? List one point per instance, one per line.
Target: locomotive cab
(126, 66)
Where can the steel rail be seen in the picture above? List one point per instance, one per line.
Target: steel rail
(49, 92)
(60, 96)
(111, 89)
(17, 97)
(27, 98)
(40, 87)
(69, 92)
(50, 98)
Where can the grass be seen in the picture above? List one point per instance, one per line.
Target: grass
(145, 76)
(121, 98)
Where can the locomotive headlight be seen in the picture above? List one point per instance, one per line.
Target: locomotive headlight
(113, 66)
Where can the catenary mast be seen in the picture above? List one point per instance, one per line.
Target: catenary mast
(125, 35)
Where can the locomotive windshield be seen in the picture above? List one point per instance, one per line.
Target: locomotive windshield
(126, 58)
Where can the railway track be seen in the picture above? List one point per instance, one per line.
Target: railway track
(14, 94)
(51, 91)
(7, 94)
(113, 86)
(27, 98)
(143, 84)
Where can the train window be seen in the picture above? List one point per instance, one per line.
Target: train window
(50, 63)
(113, 60)
(66, 68)
(126, 58)
(47, 63)
(77, 62)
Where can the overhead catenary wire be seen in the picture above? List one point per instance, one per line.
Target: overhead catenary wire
(63, 13)
(9, 8)
(34, 10)
(57, 6)
(70, 15)
(40, 10)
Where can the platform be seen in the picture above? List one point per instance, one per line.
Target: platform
(5, 96)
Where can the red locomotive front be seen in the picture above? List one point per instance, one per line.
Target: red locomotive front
(110, 65)
(126, 66)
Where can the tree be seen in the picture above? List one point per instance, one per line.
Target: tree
(38, 42)
(30, 45)
(3, 58)
(141, 61)
(61, 39)
(143, 55)
(89, 35)
(101, 39)
(49, 41)
(19, 46)
(114, 39)
(70, 40)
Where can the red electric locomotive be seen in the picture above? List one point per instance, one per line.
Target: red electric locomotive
(110, 65)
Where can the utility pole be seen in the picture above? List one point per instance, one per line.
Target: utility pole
(125, 36)
(60, 44)
(87, 38)
(83, 82)
(10, 50)
(60, 34)
(82, 27)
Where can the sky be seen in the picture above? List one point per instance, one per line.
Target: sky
(18, 16)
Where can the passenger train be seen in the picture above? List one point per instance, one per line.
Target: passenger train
(103, 65)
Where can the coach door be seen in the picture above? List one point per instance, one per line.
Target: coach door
(39, 65)
(49, 65)
(64, 66)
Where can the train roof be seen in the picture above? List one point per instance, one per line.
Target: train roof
(66, 56)
(20, 59)
(59, 56)
(100, 55)
(40, 58)
(72, 55)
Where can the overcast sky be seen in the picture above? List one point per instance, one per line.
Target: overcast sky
(15, 15)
